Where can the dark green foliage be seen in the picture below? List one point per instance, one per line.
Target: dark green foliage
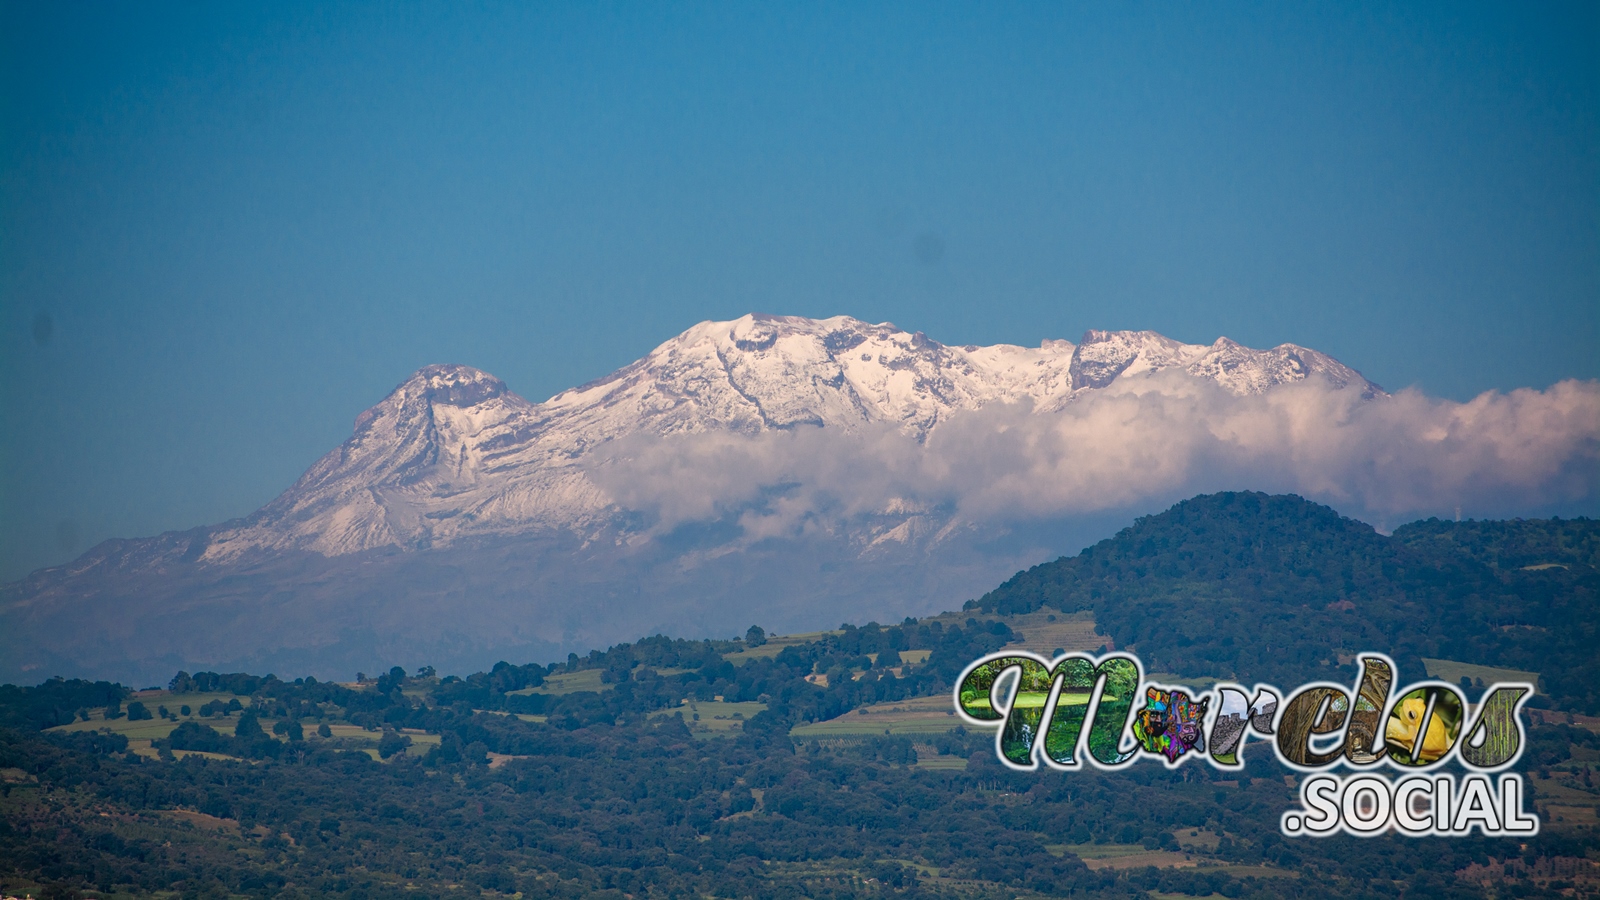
(138, 713)
(54, 702)
(391, 743)
(1509, 545)
(1254, 587)
(290, 730)
(211, 683)
(194, 736)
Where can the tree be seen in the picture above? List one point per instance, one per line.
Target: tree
(249, 727)
(391, 743)
(755, 637)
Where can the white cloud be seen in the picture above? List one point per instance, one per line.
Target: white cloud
(1151, 440)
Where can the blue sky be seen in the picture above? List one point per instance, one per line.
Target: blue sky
(226, 230)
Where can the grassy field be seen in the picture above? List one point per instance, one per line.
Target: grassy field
(922, 715)
(142, 734)
(929, 758)
(526, 717)
(1135, 856)
(1123, 856)
(158, 728)
(569, 683)
(713, 718)
(1452, 671)
(775, 644)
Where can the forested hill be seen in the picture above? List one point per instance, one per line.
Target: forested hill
(1254, 587)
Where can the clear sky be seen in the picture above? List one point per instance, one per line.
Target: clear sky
(227, 229)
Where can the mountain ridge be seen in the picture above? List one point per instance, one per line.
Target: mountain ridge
(452, 451)
(460, 519)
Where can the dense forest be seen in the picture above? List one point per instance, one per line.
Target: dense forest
(591, 776)
(1252, 587)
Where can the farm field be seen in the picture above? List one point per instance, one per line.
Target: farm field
(1452, 671)
(568, 683)
(1045, 632)
(713, 718)
(158, 728)
(920, 715)
(775, 644)
(1123, 856)
(142, 734)
(928, 758)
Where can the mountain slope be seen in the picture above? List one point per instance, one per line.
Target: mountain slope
(461, 521)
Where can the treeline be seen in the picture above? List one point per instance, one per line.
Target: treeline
(55, 702)
(1252, 587)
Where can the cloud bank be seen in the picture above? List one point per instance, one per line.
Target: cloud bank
(1130, 446)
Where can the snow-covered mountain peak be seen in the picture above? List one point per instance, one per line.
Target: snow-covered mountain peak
(452, 451)
(454, 385)
(1104, 355)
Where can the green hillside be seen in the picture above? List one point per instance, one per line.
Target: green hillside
(1254, 587)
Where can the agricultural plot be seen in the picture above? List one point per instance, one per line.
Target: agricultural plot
(154, 729)
(142, 734)
(928, 758)
(775, 644)
(146, 730)
(1044, 632)
(921, 715)
(1452, 671)
(568, 683)
(525, 717)
(713, 718)
(1123, 856)
(1563, 799)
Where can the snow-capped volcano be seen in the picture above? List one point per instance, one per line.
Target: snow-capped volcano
(452, 452)
(783, 471)
(770, 470)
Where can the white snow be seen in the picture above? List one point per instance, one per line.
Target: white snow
(452, 452)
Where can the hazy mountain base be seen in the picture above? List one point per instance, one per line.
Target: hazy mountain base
(463, 607)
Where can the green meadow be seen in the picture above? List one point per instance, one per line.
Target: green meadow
(713, 718)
